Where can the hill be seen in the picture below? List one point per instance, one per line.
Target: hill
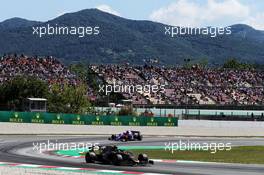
(122, 40)
(16, 23)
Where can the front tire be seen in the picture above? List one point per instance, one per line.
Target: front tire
(90, 157)
(117, 159)
(140, 137)
(143, 158)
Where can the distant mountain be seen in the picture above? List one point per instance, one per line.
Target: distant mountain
(122, 40)
(245, 31)
(16, 23)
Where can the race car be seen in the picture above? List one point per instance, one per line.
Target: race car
(114, 156)
(127, 136)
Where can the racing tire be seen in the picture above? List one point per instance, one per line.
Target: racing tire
(90, 157)
(112, 137)
(117, 159)
(143, 158)
(140, 137)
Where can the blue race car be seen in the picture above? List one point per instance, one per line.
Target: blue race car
(127, 136)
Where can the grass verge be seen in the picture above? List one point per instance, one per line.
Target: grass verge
(241, 154)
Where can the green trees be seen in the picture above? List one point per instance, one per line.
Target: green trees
(80, 69)
(62, 98)
(68, 99)
(14, 91)
(83, 71)
(235, 64)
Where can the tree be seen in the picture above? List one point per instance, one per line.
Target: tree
(203, 62)
(14, 91)
(83, 71)
(68, 99)
(235, 64)
(80, 70)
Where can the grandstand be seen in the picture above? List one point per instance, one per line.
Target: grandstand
(183, 86)
(192, 86)
(48, 69)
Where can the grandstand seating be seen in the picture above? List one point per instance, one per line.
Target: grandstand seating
(194, 86)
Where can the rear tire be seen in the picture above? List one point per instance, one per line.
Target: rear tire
(90, 157)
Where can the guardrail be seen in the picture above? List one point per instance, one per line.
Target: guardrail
(75, 119)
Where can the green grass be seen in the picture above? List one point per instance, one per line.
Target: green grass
(242, 154)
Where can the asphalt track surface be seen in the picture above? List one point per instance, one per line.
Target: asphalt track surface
(19, 149)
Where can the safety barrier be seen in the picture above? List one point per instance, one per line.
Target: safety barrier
(75, 119)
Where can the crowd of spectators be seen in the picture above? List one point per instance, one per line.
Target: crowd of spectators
(193, 86)
(47, 69)
(122, 75)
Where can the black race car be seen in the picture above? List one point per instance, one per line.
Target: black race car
(127, 136)
(114, 156)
